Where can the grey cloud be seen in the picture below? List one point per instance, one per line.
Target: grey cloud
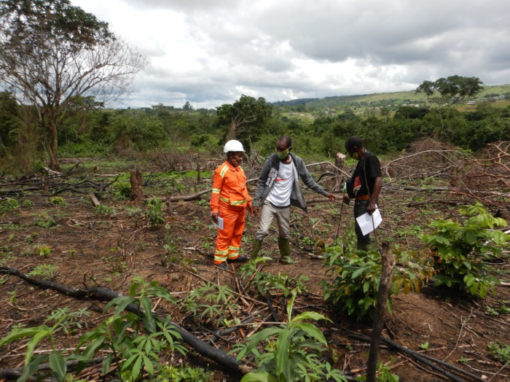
(395, 44)
(186, 4)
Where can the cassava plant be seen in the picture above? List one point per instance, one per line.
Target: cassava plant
(463, 249)
(291, 352)
(59, 320)
(134, 342)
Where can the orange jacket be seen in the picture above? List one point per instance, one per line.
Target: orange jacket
(229, 186)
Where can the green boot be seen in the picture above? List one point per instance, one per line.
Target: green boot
(284, 246)
(255, 248)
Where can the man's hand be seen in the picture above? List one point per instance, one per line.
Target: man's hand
(371, 207)
(250, 208)
(346, 199)
(331, 196)
(255, 211)
(214, 217)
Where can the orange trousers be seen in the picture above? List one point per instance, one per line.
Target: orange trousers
(228, 240)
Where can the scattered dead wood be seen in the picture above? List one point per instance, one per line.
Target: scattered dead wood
(94, 200)
(105, 294)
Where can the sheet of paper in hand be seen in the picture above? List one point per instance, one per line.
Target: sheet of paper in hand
(368, 223)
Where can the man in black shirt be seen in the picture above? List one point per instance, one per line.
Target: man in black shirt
(364, 185)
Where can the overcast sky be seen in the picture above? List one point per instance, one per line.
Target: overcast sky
(210, 52)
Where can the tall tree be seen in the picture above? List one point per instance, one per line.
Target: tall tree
(243, 114)
(52, 52)
(453, 88)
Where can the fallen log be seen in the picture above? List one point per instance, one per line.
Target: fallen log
(105, 294)
(423, 358)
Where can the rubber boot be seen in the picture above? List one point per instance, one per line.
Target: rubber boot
(284, 246)
(255, 248)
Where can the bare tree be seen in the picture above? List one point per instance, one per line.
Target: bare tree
(52, 52)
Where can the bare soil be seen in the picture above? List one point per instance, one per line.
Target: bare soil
(110, 250)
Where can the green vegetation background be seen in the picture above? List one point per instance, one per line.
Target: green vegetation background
(387, 122)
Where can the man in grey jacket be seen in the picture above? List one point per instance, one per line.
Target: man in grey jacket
(278, 188)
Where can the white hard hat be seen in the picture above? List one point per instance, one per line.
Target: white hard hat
(233, 145)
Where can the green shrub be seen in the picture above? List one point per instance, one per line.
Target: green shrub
(122, 187)
(461, 249)
(8, 205)
(105, 211)
(58, 201)
(356, 275)
(154, 212)
(499, 351)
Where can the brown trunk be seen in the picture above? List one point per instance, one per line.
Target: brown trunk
(136, 185)
(388, 263)
(53, 146)
(232, 131)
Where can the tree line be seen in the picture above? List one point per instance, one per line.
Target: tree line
(90, 129)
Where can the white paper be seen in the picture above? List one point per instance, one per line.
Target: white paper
(220, 223)
(368, 223)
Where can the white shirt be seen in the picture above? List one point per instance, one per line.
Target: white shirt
(279, 195)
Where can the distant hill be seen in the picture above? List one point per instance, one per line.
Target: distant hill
(380, 99)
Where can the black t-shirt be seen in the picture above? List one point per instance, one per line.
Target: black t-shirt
(369, 164)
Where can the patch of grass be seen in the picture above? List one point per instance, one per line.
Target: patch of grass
(105, 211)
(44, 271)
(44, 220)
(500, 352)
(58, 201)
(8, 205)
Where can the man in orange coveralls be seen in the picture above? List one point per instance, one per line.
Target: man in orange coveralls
(229, 201)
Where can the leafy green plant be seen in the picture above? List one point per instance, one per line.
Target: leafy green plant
(57, 362)
(183, 374)
(266, 282)
(461, 250)
(212, 303)
(8, 205)
(292, 351)
(122, 187)
(44, 271)
(154, 212)
(45, 221)
(44, 250)
(58, 201)
(105, 211)
(134, 340)
(499, 351)
(27, 203)
(356, 274)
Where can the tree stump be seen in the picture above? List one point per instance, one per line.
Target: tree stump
(136, 186)
(339, 163)
(388, 263)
